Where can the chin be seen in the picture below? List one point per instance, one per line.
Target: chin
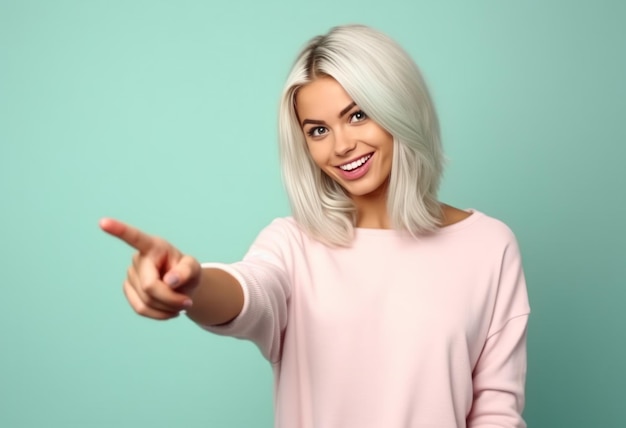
(375, 190)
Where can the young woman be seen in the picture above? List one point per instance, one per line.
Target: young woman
(377, 305)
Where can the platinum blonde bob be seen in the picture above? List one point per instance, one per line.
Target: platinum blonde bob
(382, 79)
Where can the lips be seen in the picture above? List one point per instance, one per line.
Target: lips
(352, 165)
(356, 168)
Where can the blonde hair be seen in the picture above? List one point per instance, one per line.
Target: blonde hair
(386, 84)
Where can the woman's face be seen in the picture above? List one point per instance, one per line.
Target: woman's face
(343, 141)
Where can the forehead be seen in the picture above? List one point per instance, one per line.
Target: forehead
(322, 97)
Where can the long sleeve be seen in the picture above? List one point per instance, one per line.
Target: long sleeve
(499, 379)
(499, 375)
(264, 277)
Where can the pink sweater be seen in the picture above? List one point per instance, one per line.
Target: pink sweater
(391, 332)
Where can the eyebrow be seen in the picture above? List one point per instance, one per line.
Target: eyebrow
(321, 122)
(346, 110)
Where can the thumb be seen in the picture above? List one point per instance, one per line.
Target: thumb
(186, 272)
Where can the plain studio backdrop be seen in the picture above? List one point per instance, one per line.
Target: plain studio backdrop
(163, 114)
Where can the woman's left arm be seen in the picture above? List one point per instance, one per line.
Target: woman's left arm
(499, 379)
(499, 375)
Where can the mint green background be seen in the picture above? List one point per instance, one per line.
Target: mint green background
(163, 113)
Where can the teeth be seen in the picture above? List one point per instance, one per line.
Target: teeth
(357, 163)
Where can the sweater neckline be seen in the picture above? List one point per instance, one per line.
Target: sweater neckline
(475, 216)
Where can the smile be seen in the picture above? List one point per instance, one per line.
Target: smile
(356, 163)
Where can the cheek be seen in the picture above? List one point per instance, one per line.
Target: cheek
(386, 143)
(377, 136)
(386, 148)
(315, 154)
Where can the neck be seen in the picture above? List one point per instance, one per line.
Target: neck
(372, 211)
(374, 221)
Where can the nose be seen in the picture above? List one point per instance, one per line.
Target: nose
(344, 143)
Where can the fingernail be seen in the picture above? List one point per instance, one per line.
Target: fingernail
(171, 280)
(187, 303)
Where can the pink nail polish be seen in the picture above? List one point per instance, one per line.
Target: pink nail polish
(171, 280)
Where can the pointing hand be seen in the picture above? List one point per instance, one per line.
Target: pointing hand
(160, 278)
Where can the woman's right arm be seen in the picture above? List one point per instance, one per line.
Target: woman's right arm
(161, 281)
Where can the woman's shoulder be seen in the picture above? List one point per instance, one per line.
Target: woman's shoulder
(473, 221)
(284, 229)
(451, 215)
(287, 223)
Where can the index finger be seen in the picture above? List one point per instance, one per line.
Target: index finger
(127, 233)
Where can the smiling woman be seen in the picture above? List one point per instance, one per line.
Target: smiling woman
(377, 305)
(375, 73)
(350, 148)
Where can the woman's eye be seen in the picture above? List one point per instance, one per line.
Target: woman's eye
(318, 131)
(358, 116)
